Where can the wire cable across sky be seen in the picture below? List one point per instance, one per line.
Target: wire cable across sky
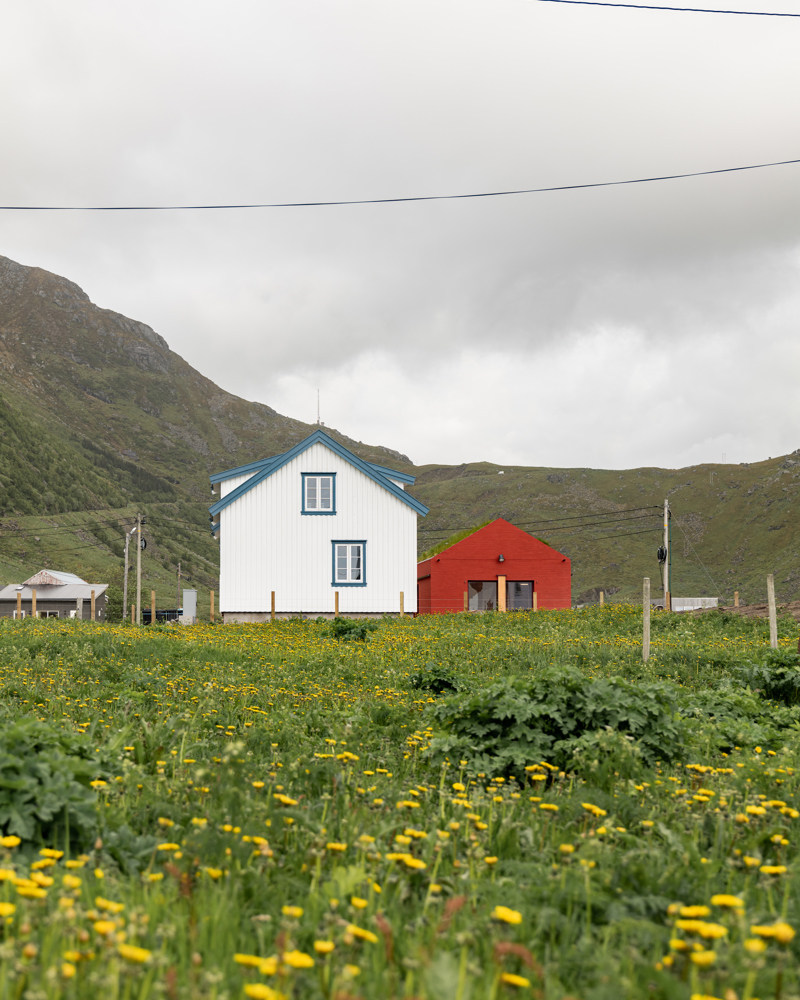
(683, 10)
(391, 201)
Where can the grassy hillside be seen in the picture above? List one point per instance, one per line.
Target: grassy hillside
(99, 419)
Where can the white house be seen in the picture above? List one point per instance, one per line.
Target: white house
(316, 530)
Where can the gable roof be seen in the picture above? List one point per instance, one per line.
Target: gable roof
(242, 470)
(263, 470)
(52, 578)
(498, 526)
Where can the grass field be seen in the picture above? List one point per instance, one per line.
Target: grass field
(458, 807)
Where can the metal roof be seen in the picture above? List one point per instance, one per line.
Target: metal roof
(65, 592)
(52, 577)
(318, 437)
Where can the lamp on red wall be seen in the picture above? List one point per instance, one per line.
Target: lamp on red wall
(501, 558)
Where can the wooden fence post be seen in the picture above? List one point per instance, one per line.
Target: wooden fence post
(33, 604)
(466, 600)
(19, 604)
(646, 620)
(736, 598)
(152, 607)
(133, 614)
(212, 607)
(773, 617)
(93, 606)
(668, 601)
(535, 601)
(272, 608)
(336, 603)
(501, 594)
(602, 598)
(402, 603)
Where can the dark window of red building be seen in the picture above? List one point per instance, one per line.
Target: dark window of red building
(519, 595)
(483, 595)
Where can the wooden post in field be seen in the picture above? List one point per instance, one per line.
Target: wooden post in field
(501, 594)
(736, 598)
(152, 607)
(33, 604)
(402, 603)
(93, 606)
(272, 607)
(212, 607)
(773, 617)
(668, 601)
(535, 601)
(646, 620)
(466, 600)
(133, 614)
(602, 598)
(336, 603)
(19, 604)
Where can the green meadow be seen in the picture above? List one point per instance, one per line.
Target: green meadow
(463, 806)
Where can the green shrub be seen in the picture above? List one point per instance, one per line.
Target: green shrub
(777, 677)
(512, 723)
(435, 679)
(45, 791)
(352, 629)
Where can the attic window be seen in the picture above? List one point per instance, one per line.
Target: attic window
(319, 493)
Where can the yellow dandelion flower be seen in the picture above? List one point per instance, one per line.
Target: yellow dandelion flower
(514, 980)
(133, 954)
(298, 959)
(507, 915)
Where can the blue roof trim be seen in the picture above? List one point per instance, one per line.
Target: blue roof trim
(391, 474)
(215, 527)
(318, 437)
(242, 470)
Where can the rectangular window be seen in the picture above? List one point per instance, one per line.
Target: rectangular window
(319, 493)
(349, 569)
(519, 595)
(22, 614)
(483, 595)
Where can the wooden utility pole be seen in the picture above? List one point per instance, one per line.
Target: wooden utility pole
(773, 616)
(138, 569)
(667, 581)
(646, 620)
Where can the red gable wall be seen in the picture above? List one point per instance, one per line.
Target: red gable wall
(442, 579)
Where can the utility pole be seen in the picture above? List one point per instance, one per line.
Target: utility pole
(125, 581)
(139, 569)
(667, 560)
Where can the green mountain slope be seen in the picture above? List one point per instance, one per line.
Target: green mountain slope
(99, 419)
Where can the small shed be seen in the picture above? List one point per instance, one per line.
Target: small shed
(498, 567)
(53, 594)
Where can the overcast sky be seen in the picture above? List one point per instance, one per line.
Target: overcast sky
(651, 324)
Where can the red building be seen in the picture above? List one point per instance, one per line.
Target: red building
(496, 568)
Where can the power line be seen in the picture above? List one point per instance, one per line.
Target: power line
(393, 201)
(566, 527)
(686, 10)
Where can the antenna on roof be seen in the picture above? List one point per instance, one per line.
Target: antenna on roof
(317, 407)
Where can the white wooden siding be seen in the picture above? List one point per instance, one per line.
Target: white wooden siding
(268, 544)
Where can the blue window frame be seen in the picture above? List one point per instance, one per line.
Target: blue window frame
(319, 493)
(349, 559)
